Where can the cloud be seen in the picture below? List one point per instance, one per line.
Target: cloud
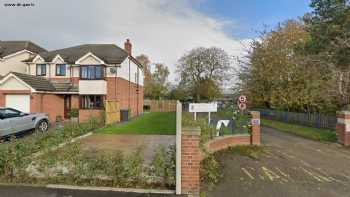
(162, 29)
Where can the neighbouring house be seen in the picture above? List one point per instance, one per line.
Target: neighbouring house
(80, 77)
(13, 53)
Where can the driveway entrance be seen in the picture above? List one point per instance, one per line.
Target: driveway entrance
(127, 143)
(291, 166)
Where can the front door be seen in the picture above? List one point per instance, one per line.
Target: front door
(67, 106)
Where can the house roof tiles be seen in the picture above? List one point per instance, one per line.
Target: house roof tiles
(43, 84)
(10, 47)
(109, 53)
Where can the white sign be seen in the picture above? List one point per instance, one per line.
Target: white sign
(255, 121)
(220, 122)
(203, 107)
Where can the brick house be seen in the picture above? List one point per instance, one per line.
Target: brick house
(80, 77)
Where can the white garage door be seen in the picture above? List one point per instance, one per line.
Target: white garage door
(19, 102)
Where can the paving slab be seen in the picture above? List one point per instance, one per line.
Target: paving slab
(127, 143)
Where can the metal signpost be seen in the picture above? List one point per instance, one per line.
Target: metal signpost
(203, 107)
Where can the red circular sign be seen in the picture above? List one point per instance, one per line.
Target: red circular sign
(242, 99)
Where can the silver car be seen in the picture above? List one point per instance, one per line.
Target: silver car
(13, 121)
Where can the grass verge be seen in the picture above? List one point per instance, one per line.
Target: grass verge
(307, 132)
(158, 123)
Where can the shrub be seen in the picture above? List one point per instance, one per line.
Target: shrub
(117, 170)
(210, 170)
(207, 131)
(133, 168)
(164, 165)
(74, 113)
(17, 154)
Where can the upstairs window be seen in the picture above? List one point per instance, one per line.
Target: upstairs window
(91, 72)
(41, 70)
(91, 102)
(60, 69)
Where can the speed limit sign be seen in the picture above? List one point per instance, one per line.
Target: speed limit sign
(242, 99)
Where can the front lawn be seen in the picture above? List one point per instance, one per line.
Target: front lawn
(157, 123)
(307, 132)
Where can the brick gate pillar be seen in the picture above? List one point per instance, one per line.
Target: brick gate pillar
(343, 127)
(190, 161)
(255, 128)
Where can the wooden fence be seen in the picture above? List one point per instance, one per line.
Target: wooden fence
(112, 111)
(316, 120)
(161, 105)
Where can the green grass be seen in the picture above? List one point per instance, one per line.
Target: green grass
(307, 132)
(158, 123)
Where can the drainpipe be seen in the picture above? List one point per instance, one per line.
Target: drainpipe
(137, 91)
(129, 85)
(41, 103)
(116, 83)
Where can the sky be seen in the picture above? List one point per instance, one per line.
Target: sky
(164, 30)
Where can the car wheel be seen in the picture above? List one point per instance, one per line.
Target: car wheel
(42, 126)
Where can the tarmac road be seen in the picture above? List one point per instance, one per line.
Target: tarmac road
(292, 166)
(28, 191)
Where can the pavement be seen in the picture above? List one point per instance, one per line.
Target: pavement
(29, 191)
(127, 143)
(292, 166)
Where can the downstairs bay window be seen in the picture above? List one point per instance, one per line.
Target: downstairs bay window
(91, 102)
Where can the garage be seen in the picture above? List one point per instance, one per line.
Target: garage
(18, 101)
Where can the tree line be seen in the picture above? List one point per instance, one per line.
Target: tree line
(302, 65)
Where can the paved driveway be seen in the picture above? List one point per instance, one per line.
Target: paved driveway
(292, 166)
(127, 143)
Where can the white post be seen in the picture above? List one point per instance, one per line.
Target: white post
(178, 146)
(209, 118)
(195, 115)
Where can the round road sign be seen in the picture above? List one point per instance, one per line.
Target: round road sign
(242, 99)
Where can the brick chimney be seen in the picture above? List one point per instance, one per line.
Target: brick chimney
(128, 46)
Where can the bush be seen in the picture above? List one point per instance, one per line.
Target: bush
(74, 113)
(164, 165)
(207, 131)
(16, 154)
(210, 170)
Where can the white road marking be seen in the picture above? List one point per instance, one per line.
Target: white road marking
(248, 174)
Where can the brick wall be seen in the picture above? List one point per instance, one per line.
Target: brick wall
(75, 102)
(2, 100)
(85, 114)
(48, 103)
(343, 127)
(256, 133)
(190, 161)
(191, 154)
(121, 87)
(223, 142)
